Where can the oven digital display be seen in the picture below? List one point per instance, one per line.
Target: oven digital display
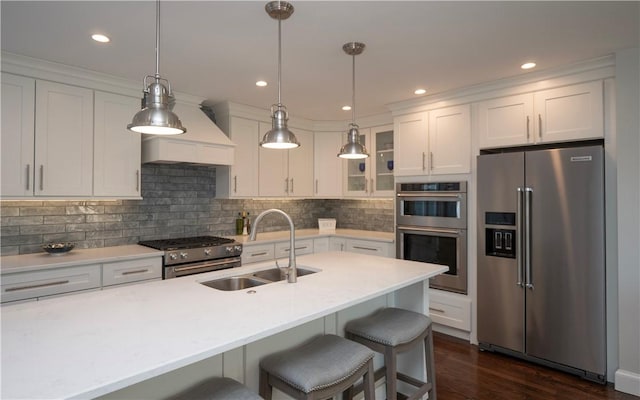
(432, 249)
(431, 208)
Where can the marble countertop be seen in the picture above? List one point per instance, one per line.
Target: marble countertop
(37, 261)
(90, 344)
(266, 237)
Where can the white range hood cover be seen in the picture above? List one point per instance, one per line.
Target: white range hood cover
(203, 143)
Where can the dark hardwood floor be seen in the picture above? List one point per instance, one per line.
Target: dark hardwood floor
(463, 372)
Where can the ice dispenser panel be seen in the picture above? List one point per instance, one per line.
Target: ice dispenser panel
(500, 242)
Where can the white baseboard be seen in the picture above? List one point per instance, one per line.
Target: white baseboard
(451, 331)
(627, 382)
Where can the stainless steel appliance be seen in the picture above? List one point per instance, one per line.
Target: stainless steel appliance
(195, 255)
(541, 266)
(431, 226)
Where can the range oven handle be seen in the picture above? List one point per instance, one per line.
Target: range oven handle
(455, 232)
(204, 265)
(428, 195)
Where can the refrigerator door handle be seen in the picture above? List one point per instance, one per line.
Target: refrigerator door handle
(520, 238)
(527, 228)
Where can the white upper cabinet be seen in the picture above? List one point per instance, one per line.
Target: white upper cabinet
(433, 142)
(372, 176)
(566, 113)
(411, 144)
(570, 113)
(287, 172)
(117, 150)
(450, 140)
(240, 179)
(507, 121)
(328, 166)
(17, 140)
(64, 140)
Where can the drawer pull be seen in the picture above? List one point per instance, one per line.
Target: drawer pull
(262, 253)
(56, 283)
(437, 310)
(298, 248)
(364, 248)
(137, 271)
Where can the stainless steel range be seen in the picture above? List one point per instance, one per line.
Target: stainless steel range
(195, 255)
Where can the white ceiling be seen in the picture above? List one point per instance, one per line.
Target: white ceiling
(219, 49)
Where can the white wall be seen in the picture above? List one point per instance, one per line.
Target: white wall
(627, 377)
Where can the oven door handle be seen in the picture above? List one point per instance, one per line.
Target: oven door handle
(430, 230)
(205, 265)
(429, 195)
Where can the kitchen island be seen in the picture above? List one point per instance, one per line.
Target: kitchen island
(97, 343)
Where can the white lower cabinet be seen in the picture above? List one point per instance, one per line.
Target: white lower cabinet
(252, 253)
(337, 244)
(34, 284)
(321, 245)
(121, 272)
(370, 247)
(304, 246)
(448, 309)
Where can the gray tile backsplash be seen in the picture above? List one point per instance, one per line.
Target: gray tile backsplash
(178, 200)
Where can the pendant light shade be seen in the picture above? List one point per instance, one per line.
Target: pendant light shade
(279, 137)
(353, 149)
(156, 117)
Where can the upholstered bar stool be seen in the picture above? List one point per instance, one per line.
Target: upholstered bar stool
(217, 389)
(320, 369)
(391, 331)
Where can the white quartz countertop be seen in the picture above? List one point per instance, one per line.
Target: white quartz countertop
(265, 237)
(37, 261)
(89, 344)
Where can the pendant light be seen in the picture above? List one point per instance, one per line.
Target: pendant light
(156, 117)
(353, 149)
(279, 137)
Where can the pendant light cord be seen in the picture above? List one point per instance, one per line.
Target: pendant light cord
(353, 95)
(157, 39)
(279, 58)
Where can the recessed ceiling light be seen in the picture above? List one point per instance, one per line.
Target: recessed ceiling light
(100, 38)
(346, 108)
(528, 65)
(261, 83)
(420, 91)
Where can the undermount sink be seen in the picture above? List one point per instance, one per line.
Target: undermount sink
(248, 281)
(234, 283)
(275, 274)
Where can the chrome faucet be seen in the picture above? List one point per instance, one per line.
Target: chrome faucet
(291, 271)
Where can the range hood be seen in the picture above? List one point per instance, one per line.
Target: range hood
(203, 143)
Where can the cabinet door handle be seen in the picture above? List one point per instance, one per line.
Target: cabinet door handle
(527, 127)
(366, 185)
(28, 177)
(41, 177)
(137, 180)
(286, 185)
(137, 271)
(292, 185)
(235, 184)
(424, 165)
(262, 253)
(431, 161)
(316, 186)
(365, 248)
(372, 185)
(540, 126)
(437, 310)
(297, 248)
(56, 283)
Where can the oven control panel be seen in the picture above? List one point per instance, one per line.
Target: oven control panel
(202, 254)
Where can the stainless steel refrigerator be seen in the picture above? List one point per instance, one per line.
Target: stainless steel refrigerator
(541, 260)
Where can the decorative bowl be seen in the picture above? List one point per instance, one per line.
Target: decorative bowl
(58, 248)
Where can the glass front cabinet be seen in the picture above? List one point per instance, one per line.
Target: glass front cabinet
(372, 176)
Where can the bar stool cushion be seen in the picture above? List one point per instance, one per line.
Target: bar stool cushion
(217, 388)
(321, 363)
(390, 326)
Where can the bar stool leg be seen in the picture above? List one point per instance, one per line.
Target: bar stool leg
(391, 372)
(369, 382)
(265, 390)
(430, 363)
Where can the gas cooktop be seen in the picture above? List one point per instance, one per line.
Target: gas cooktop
(186, 243)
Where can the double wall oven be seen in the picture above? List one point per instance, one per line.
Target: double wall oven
(195, 255)
(431, 226)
